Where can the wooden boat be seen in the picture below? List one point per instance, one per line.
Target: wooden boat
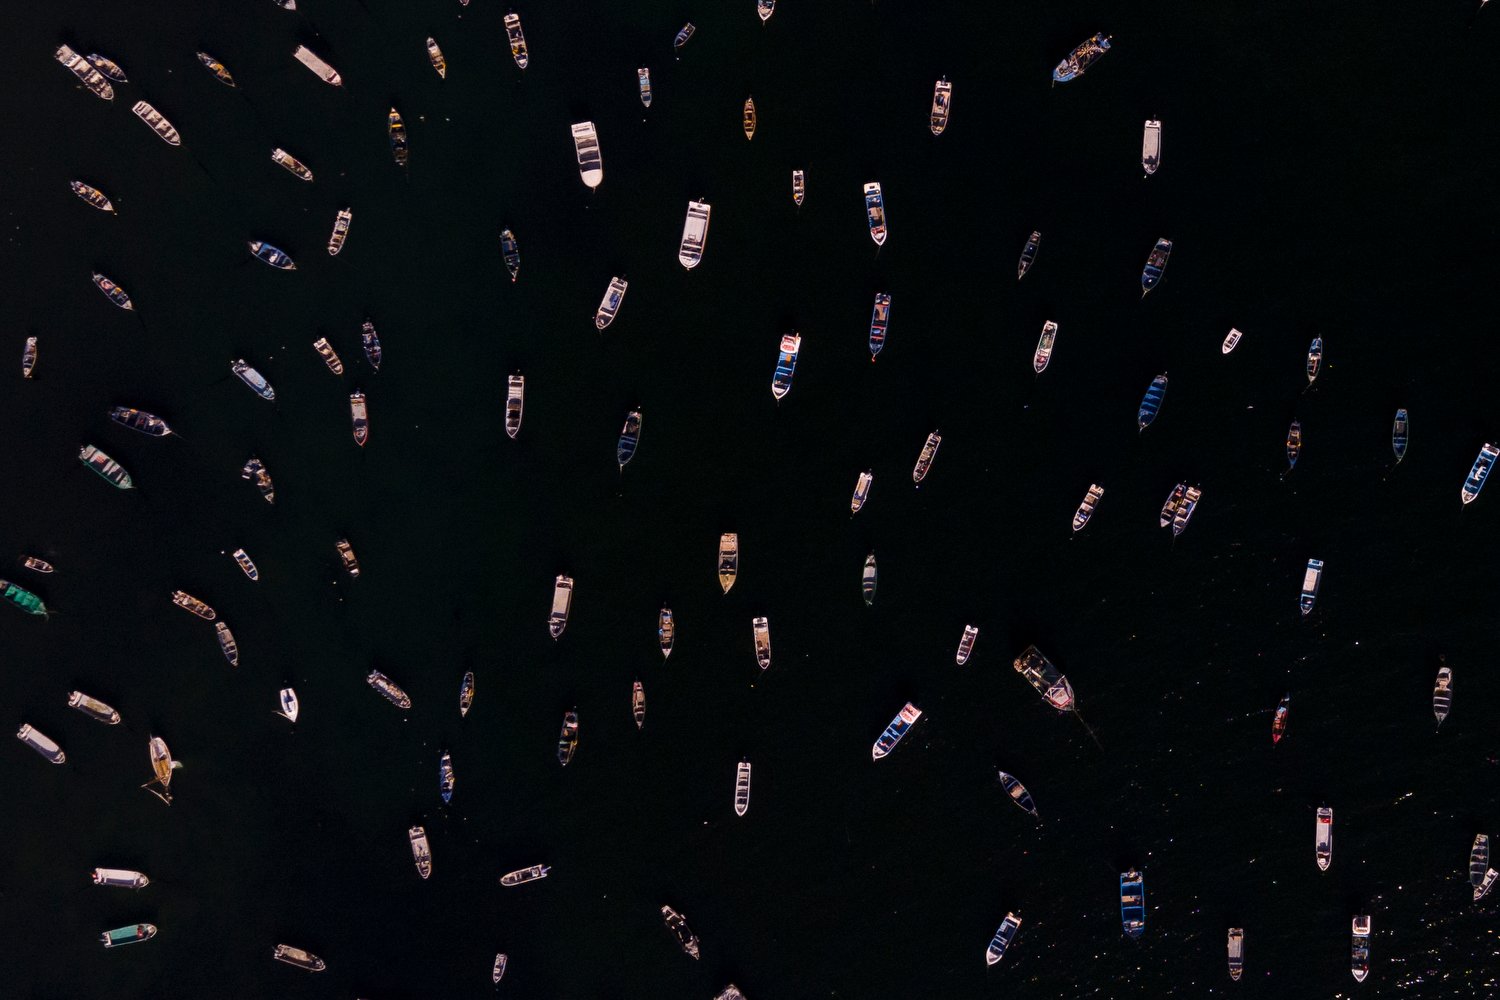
(113, 292)
(643, 80)
(292, 165)
(1002, 939)
(1028, 254)
(253, 469)
(217, 69)
(1278, 721)
(749, 118)
(435, 56)
(742, 788)
(1479, 472)
(346, 557)
(188, 602)
(630, 438)
(159, 124)
(1479, 859)
(290, 707)
(880, 320)
(1156, 394)
(388, 689)
(799, 187)
(89, 76)
(162, 766)
(227, 645)
(924, 459)
(1151, 146)
(638, 704)
(898, 728)
(370, 341)
(1045, 679)
(1324, 840)
(1314, 360)
(111, 69)
(1359, 948)
(466, 694)
(1399, 434)
(510, 252)
(271, 256)
(677, 924)
(28, 358)
(942, 101)
(875, 212)
(590, 159)
(246, 564)
(92, 196)
(497, 972)
(1156, 265)
(786, 364)
(359, 415)
(37, 565)
(1019, 795)
(1086, 509)
(761, 632)
(421, 850)
(304, 960)
(562, 606)
(1293, 445)
(1044, 347)
(1185, 510)
(567, 740)
(683, 34)
(1442, 693)
(868, 580)
(694, 234)
(729, 559)
(1311, 581)
(765, 8)
(1174, 501)
(396, 128)
(609, 306)
(1231, 341)
(515, 403)
(861, 491)
(517, 40)
(1133, 903)
(666, 631)
(1236, 951)
(330, 358)
(340, 231)
(966, 644)
(319, 68)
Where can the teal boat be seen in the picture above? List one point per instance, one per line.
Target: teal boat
(128, 935)
(107, 468)
(22, 598)
(1152, 401)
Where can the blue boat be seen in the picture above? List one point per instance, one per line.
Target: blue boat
(445, 776)
(879, 320)
(1398, 435)
(1479, 472)
(268, 254)
(1152, 401)
(1133, 903)
(630, 436)
(1080, 59)
(1156, 263)
(786, 364)
(903, 721)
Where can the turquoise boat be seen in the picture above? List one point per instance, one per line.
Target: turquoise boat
(128, 935)
(22, 598)
(1151, 403)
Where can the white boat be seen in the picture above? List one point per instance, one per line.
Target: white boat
(875, 212)
(742, 788)
(761, 630)
(289, 704)
(694, 234)
(1442, 693)
(942, 102)
(497, 972)
(1479, 472)
(966, 644)
(340, 231)
(924, 459)
(900, 725)
(1231, 340)
(861, 491)
(729, 559)
(1151, 147)
(1044, 347)
(1086, 509)
(562, 604)
(1236, 950)
(124, 878)
(1002, 939)
(590, 161)
(93, 708)
(421, 850)
(324, 72)
(517, 40)
(1324, 843)
(291, 164)
(1359, 948)
(799, 187)
(1485, 885)
(85, 71)
(765, 8)
(42, 745)
(515, 404)
(643, 79)
(609, 306)
(158, 123)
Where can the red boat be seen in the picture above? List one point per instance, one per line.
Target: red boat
(1278, 724)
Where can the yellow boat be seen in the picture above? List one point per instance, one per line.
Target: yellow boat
(749, 118)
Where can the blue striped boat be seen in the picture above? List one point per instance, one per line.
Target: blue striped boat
(1133, 903)
(1152, 401)
(1156, 263)
(630, 436)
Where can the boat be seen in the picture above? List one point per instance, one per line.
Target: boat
(638, 704)
(321, 69)
(880, 318)
(1156, 394)
(254, 379)
(92, 196)
(590, 160)
(93, 708)
(567, 740)
(515, 402)
(290, 707)
(37, 565)
(1442, 693)
(760, 630)
(1293, 445)
(749, 118)
(246, 564)
(730, 992)
(729, 559)
(87, 74)
(1081, 58)
(786, 364)
(562, 603)
(1236, 949)
(162, 766)
(1479, 858)
(523, 875)
(1156, 263)
(742, 788)
(1479, 472)
(1002, 939)
(925, 457)
(159, 124)
(131, 934)
(388, 689)
(330, 357)
(1485, 885)
(875, 212)
(148, 424)
(643, 79)
(1324, 839)
(1133, 903)
(1314, 360)
(1174, 501)
(861, 491)
(274, 256)
(113, 292)
(421, 850)
(1278, 721)
(108, 67)
(683, 34)
(799, 187)
(1044, 347)
(291, 164)
(359, 414)
(510, 252)
(301, 959)
(899, 727)
(1310, 583)
(1151, 146)
(21, 598)
(966, 644)
(346, 557)
(1046, 679)
(1359, 948)
(28, 357)
(677, 924)
(466, 694)
(1028, 254)
(694, 234)
(497, 972)
(1086, 509)
(609, 306)
(107, 468)
(340, 231)
(517, 40)
(217, 69)
(227, 645)
(1185, 510)
(41, 744)
(446, 778)
(1231, 341)
(630, 437)
(666, 631)
(942, 100)
(123, 878)
(1019, 795)
(1399, 435)
(765, 8)
(868, 580)
(396, 128)
(253, 469)
(435, 56)
(370, 340)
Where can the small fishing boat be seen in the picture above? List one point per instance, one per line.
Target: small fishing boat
(28, 358)
(666, 631)
(1156, 394)
(1311, 580)
(749, 119)
(875, 212)
(346, 557)
(21, 598)
(1278, 721)
(274, 256)
(1236, 949)
(227, 645)
(517, 40)
(107, 468)
(861, 491)
(523, 875)
(1314, 360)
(1002, 939)
(562, 606)
(1133, 903)
(925, 457)
(1293, 445)
(1359, 948)
(290, 707)
(359, 414)
(966, 644)
(305, 960)
(786, 364)
(694, 234)
(1019, 795)
(1231, 341)
(1081, 58)
(217, 69)
(1323, 843)
(760, 629)
(340, 231)
(899, 727)
(1399, 434)
(320, 69)
(765, 8)
(446, 778)
(1151, 146)
(93, 708)
(742, 788)
(254, 379)
(1185, 509)
(162, 766)
(590, 159)
(609, 306)
(729, 559)
(799, 187)
(87, 74)
(370, 341)
(41, 744)
(1485, 885)
(130, 934)
(510, 252)
(37, 565)
(291, 164)
(113, 292)
(421, 850)
(1028, 254)
(880, 318)
(1442, 693)
(140, 421)
(868, 580)
(1044, 347)
(497, 972)
(388, 689)
(567, 740)
(677, 924)
(630, 437)
(435, 56)
(1045, 679)
(1174, 501)
(643, 79)
(515, 404)
(246, 564)
(1156, 263)
(683, 34)
(1086, 509)
(1479, 472)
(396, 128)
(1479, 859)
(638, 704)
(254, 470)
(330, 357)
(92, 196)
(466, 694)
(942, 99)
(108, 67)
(159, 124)
(123, 878)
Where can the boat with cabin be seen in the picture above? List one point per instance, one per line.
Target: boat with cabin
(497, 971)
(246, 564)
(562, 604)
(742, 788)
(683, 34)
(129, 934)
(359, 415)
(87, 74)
(1323, 842)
(590, 159)
(1485, 885)
(93, 708)
(1002, 939)
(227, 645)
(1399, 435)
(1081, 58)
(21, 598)
(926, 456)
(609, 306)
(786, 364)
(92, 196)
(320, 69)
(1479, 472)
(1314, 360)
(1185, 510)
(1174, 501)
(1442, 693)
(875, 212)
(1133, 903)
(370, 342)
(396, 128)
(760, 629)
(898, 728)
(140, 421)
(1086, 508)
(304, 960)
(868, 580)
(729, 559)
(966, 644)
(346, 557)
(1156, 264)
(111, 69)
(446, 778)
(942, 99)
(291, 164)
(638, 704)
(340, 231)
(162, 766)
(1236, 951)
(189, 603)
(435, 56)
(421, 850)
(290, 706)
(1151, 146)
(217, 69)
(1293, 445)
(1019, 795)
(523, 875)
(254, 379)
(799, 187)
(1028, 254)
(1311, 580)
(666, 631)
(158, 123)
(515, 404)
(274, 256)
(749, 118)
(28, 358)
(630, 438)
(567, 739)
(37, 565)
(643, 80)
(510, 252)
(1359, 948)
(694, 234)
(1479, 858)
(41, 744)
(1044, 347)
(113, 292)
(330, 357)
(517, 40)
(121, 878)
(1156, 394)
(880, 318)
(254, 470)
(107, 468)
(765, 8)
(1278, 721)
(389, 689)
(677, 924)
(1231, 341)
(1046, 679)
(861, 491)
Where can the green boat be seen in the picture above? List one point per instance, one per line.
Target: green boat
(128, 935)
(108, 468)
(21, 598)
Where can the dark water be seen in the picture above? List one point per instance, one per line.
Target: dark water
(1327, 171)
